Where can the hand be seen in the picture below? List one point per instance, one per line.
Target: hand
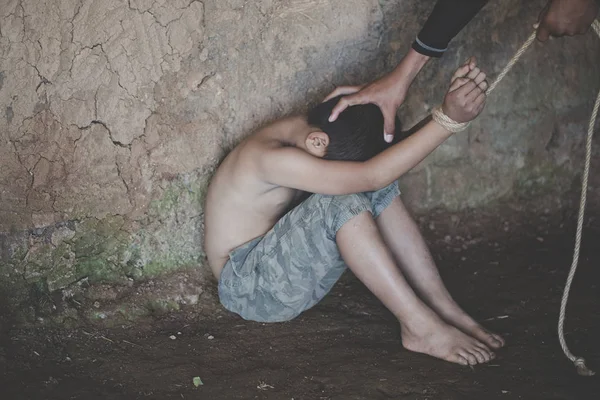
(466, 96)
(566, 17)
(388, 92)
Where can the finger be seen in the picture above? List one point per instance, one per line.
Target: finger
(342, 90)
(480, 77)
(543, 33)
(344, 103)
(477, 98)
(474, 72)
(474, 94)
(472, 62)
(465, 89)
(462, 71)
(484, 85)
(480, 99)
(458, 83)
(389, 124)
(479, 103)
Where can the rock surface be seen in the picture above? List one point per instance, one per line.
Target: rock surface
(114, 114)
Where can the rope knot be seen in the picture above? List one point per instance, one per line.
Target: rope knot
(581, 367)
(447, 122)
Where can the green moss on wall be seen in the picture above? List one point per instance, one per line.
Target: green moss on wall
(112, 250)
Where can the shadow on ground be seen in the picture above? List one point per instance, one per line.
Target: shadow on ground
(506, 267)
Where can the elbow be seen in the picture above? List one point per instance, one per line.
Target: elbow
(375, 181)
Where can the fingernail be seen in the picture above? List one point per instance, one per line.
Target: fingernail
(330, 118)
(388, 138)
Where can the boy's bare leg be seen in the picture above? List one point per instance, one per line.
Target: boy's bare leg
(364, 251)
(404, 239)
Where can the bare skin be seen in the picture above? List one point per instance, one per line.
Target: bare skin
(558, 18)
(265, 175)
(406, 243)
(367, 255)
(566, 18)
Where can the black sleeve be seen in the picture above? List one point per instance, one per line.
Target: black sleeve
(446, 20)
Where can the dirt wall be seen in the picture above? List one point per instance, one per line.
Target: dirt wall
(114, 113)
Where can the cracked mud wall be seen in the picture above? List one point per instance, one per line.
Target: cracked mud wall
(114, 113)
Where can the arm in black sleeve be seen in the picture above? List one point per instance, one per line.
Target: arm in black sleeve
(446, 20)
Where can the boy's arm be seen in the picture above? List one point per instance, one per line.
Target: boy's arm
(295, 168)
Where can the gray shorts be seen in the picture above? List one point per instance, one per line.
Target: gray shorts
(277, 276)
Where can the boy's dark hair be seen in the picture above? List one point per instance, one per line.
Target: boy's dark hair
(357, 133)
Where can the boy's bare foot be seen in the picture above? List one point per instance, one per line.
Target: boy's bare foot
(445, 342)
(465, 323)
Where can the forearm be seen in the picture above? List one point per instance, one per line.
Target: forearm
(400, 158)
(446, 20)
(409, 68)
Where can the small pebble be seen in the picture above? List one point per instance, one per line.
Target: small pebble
(540, 239)
(172, 337)
(210, 337)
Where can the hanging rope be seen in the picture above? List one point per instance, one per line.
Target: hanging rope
(579, 361)
(454, 126)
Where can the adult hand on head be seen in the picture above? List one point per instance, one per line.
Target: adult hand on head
(566, 17)
(387, 92)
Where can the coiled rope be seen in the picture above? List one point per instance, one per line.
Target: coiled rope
(453, 126)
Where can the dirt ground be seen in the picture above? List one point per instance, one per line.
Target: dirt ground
(505, 265)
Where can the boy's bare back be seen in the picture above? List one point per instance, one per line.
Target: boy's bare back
(268, 172)
(240, 205)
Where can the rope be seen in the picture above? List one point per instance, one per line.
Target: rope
(451, 125)
(579, 361)
(454, 126)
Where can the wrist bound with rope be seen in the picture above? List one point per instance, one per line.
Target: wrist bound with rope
(453, 126)
(448, 123)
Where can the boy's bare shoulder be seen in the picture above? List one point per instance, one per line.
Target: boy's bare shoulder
(268, 137)
(245, 161)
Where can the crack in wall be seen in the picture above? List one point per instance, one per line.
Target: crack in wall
(165, 83)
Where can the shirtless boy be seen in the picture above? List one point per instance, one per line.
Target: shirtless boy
(273, 260)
